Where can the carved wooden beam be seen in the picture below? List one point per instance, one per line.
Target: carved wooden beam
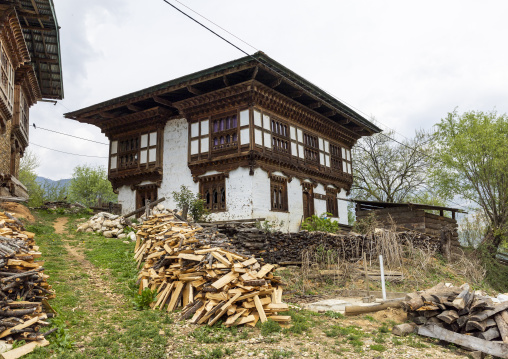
(330, 113)
(194, 90)
(315, 105)
(255, 72)
(296, 94)
(276, 83)
(162, 101)
(226, 81)
(134, 108)
(344, 121)
(106, 115)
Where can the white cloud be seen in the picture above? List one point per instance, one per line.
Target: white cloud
(405, 63)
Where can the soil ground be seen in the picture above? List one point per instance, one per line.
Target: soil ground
(94, 302)
(18, 210)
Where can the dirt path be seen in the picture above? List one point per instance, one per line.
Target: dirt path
(94, 274)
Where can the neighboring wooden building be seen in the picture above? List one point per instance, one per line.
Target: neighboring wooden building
(254, 138)
(30, 69)
(410, 216)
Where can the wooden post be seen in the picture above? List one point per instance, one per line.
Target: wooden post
(366, 274)
(147, 208)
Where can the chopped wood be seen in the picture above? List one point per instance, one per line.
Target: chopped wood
(207, 281)
(459, 311)
(23, 350)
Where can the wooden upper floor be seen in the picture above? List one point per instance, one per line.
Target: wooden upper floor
(251, 112)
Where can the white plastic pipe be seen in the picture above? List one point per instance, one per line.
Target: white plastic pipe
(382, 276)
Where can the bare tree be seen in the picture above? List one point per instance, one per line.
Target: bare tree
(387, 171)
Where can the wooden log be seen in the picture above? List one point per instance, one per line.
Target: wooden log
(404, 329)
(481, 326)
(142, 209)
(448, 316)
(467, 341)
(502, 324)
(490, 334)
(355, 310)
(464, 298)
(488, 313)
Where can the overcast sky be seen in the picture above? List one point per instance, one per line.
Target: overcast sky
(405, 63)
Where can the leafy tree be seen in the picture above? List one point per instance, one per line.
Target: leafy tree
(473, 154)
(387, 171)
(27, 166)
(90, 183)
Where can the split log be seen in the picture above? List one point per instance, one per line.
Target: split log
(502, 324)
(404, 329)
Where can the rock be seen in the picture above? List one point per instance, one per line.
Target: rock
(160, 207)
(89, 230)
(132, 236)
(108, 234)
(122, 236)
(108, 223)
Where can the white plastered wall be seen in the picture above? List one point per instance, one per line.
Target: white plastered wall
(175, 170)
(342, 206)
(127, 198)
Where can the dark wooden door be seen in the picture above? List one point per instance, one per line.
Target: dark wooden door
(308, 203)
(143, 194)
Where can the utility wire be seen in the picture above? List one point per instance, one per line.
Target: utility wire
(67, 153)
(297, 85)
(66, 134)
(220, 27)
(253, 47)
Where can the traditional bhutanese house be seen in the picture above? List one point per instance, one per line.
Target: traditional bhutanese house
(30, 71)
(254, 138)
(410, 216)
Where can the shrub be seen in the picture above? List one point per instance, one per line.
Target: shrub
(323, 223)
(186, 198)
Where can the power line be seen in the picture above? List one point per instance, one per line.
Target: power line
(243, 51)
(220, 27)
(291, 81)
(67, 153)
(66, 134)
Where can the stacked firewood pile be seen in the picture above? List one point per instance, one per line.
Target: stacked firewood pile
(209, 283)
(280, 247)
(459, 315)
(24, 290)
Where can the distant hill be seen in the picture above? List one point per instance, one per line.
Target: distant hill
(63, 182)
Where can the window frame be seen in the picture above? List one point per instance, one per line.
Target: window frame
(209, 185)
(332, 205)
(278, 194)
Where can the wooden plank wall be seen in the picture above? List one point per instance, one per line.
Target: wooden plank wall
(417, 219)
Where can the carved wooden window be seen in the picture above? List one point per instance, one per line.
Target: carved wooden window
(6, 79)
(346, 161)
(213, 192)
(331, 202)
(279, 193)
(139, 150)
(225, 133)
(335, 157)
(280, 137)
(308, 199)
(311, 148)
(23, 112)
(200, 139)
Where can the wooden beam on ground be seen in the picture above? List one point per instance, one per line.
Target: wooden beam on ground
(25, 349)
(467, 341)
(259, 308)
